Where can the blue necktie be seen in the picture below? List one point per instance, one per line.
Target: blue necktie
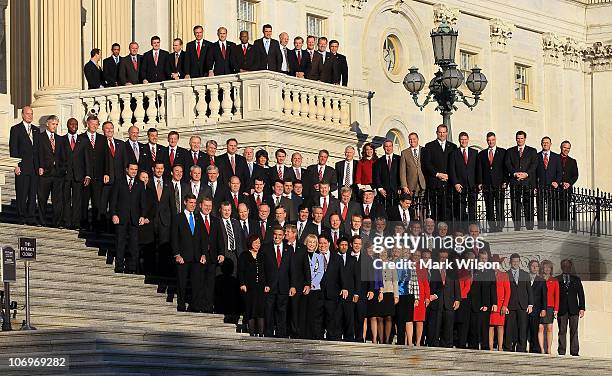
(191, 223)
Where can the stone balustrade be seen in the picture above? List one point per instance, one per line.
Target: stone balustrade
(194, 103)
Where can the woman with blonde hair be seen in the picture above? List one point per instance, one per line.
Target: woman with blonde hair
(311, 314)
(552, 298)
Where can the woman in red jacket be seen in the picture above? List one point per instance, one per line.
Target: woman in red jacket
(500, 310)
(418, 316)
(363, 176)
(546, 322)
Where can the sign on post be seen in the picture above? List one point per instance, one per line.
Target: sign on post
(27, 249)
(8, 267)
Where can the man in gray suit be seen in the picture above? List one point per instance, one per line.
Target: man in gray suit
(412, 180)
(129, 68)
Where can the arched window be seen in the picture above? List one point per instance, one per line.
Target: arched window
(390, 54)
(397, 138)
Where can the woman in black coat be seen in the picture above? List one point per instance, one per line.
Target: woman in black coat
(146, 233)
(251, 275)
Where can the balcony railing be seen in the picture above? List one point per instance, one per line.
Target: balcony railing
(197, 102)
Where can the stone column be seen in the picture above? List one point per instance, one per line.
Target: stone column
(184, 15)
(56, 52)
(500, 82)
(111, 23)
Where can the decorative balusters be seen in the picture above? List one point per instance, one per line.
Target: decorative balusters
(312, 105)
(328, 109)
(287, 104)
(201, 105)
(115, 110)
(102, 113)
(161, 107)
(295, 95)
(215, 105)
(304, 102)
(139, 112)
(226, 103)
(320, 106)
(152, 107)
(89, 106)
(335, 110)
(126, 114)
(237, 100)
(344, 111)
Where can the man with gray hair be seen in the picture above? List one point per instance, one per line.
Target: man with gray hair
(51, 171)
(194, 156)
(218, 190)
(210, 157)
(196, 187)
(346, 170)
(133, 148)
(21, 146)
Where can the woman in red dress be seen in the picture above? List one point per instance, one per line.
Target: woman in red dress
(552, 296)
(419, 310)
(500, 310)
(363, 176)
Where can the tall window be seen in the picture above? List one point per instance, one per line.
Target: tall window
(247, 17)
(467, 61)
(521, 83)
(315, 25)
(390, 53)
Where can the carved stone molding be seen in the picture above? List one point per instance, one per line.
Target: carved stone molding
(444, 13)
(500, 33)
(353, 7)
(552, 48)
(573, 53)
(599, 56)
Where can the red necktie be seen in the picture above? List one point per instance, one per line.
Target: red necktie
(546, 161)
(258, 200)
(324, 205)
(130, 183)
(465, 157)
(93, 140)
(111, 146)
(172, 157)
(207, 224)
(135, 62)
(344, 211)
(243, 50)
(52, 141)
(278, 256)
(263, 230)
(335, 238)
(154, 153)
(299, 57)
(212, 161)
(236, 200)
(223, 50)
(320, 173)
(72, 143)
(280, 172)
(389, 163)
(490, 157)
(367, 210)
(195, 159)
(520, 152)
(198, 48)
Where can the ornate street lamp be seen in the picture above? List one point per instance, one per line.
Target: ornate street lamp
(444, 87)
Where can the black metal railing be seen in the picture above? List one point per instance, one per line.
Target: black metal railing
(574, 210)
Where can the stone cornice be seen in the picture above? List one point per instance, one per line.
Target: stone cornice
(599, 55)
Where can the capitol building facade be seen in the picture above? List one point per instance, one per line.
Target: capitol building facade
(548, 64)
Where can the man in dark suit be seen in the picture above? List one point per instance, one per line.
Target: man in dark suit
(195, 157)
(296, 166)
(258, 197)
(269, 50)
(445, 280)
(235, 197)
(127, 210)
(385, 176)
(520, 306)
(175, 154)
(77, 167)
(278, 199)
(345, 207)
(152, 151)
(332, 287)
(370, 208)
(191, 253)
(248, 226)
(93, 73)
(130, 66)
(329, 63)
(351, 283)
(218, 188)
(178, 190)
(96, 151)
(51, 170)
(154, 63)
(280, 171)
(21, 146)
(341, 77)
(402, 212)
(197, 187)
(133, 148)
(265, 223)
(365, 290)
(177, 64)
(231, 239)
(521, 163)
(346, 171)
(484, 297)
(571, 307)
(538, 287)
(549, 175)
(492, 178)
(315, 225)
(318, 173)
(218, 57)
(196, 53)
(301, 279)
(160, 198)
(110, 66)
(462, 177)
(299, 62)
(210, 158)
(214, 244)
(314, 59)
(324, 200)
(243, 56)
(116, 150)
(568, 179)
(435, 167)
(231, 164)
(283, 40)
(278, 260)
